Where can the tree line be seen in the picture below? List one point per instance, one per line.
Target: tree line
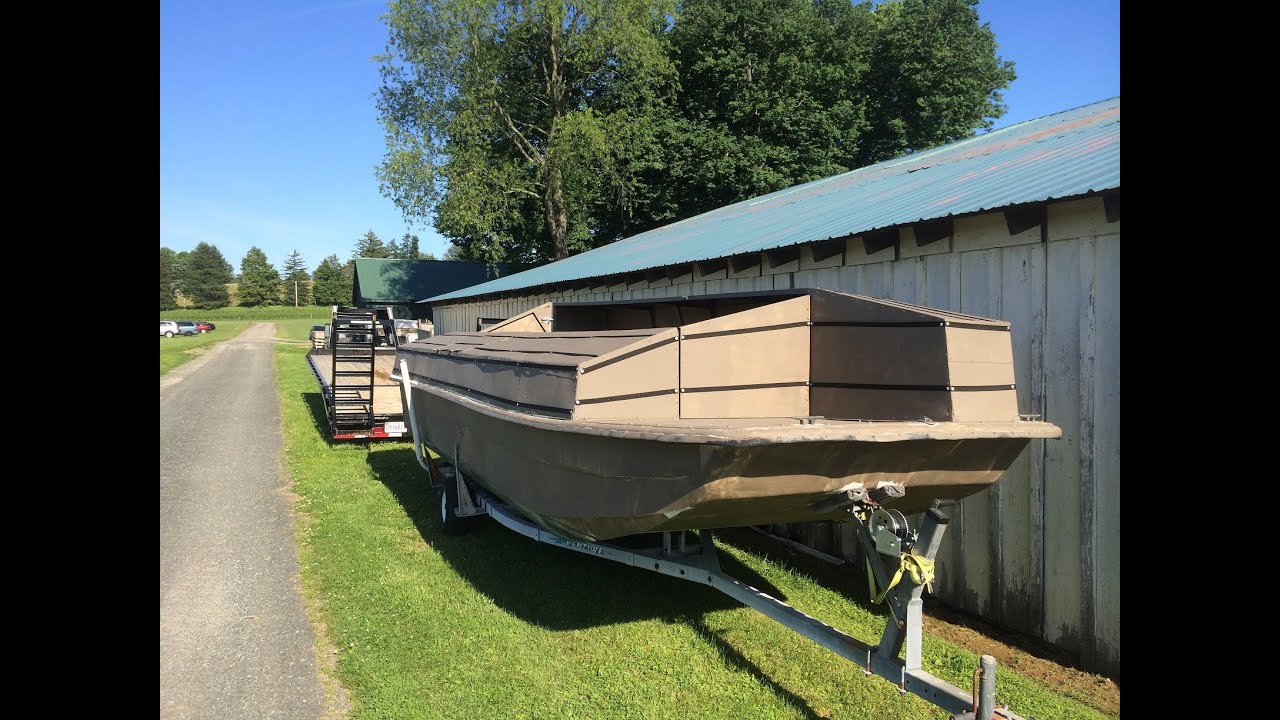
(528, 130)
(202, 274)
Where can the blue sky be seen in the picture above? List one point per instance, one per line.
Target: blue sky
(269, 136)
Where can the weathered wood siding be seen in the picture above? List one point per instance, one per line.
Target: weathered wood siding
(1040, 551)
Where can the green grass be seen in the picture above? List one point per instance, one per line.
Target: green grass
(273, 312)
(180, 349)
(297, 329)
(492, 624)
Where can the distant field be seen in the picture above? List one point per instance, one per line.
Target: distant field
(180, 349)
(274, 312)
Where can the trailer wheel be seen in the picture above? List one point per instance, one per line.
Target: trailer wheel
(450, 523)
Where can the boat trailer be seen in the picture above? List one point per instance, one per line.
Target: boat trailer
(885, 536)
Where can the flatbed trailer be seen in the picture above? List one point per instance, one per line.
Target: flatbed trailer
(889, 547)
(362, 401)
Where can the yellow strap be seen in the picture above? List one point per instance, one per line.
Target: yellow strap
(918, 567)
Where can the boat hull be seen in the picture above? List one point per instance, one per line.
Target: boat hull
(599, 486)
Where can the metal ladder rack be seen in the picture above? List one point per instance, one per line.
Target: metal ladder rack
(354, 335)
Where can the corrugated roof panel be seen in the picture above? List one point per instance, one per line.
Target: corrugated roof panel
(1063, 155)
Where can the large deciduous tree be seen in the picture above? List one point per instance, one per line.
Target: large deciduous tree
(259, 281)
(531, 130)
(934, 77)
(332, 287)
(205, 276)
(507, 120)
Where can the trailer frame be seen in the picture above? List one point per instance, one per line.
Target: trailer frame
(699, 563)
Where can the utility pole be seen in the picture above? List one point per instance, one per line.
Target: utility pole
(295, 293)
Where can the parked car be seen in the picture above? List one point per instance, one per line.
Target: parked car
(168, 328)
(186, 327)
(203, 326)
(206, 322)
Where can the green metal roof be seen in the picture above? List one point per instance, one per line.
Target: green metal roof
(380, 280)
(1068, 154)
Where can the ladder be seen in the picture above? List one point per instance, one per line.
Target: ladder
(354, 335)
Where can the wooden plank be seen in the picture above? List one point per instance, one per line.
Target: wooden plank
(877, 280)
(989, 230)
(1106, 454)
(1080, 219)
(942, 282)
(908, 279)
(980, 295)
(1022, 288)
(782, 281)
(1064, 575)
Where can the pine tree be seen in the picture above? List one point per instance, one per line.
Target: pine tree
(296, 280)
(331, 284)
(370, 246)
(259, 281)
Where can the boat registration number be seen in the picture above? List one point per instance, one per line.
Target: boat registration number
(394, 428)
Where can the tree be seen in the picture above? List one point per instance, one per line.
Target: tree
(168, 281)
(409, 248)
(331, 284)
(934, 77)
(504, 121)
(781, 92)
(393, 251)
(370, 246)
(205, 277)
(296, 279)
(259, 281)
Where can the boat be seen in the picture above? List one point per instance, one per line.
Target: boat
(600, 420)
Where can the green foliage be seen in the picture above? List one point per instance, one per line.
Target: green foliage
(370, 246)
(502, 119)
(530, 131)
(168, 280)
(205, 276)
(332, 285)
(259, 281)
(934, 77)
(296, 279)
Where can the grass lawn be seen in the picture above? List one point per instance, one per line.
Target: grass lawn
(492, 624)
(297, 329)
(179, 349)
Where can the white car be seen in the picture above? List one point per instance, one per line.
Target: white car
(168, 328)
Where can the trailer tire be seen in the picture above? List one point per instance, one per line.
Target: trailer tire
(450, 523)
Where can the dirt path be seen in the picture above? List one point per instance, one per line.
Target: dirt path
(235, 641)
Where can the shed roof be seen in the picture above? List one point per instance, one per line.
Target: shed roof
(383, 280)
(1067, 154)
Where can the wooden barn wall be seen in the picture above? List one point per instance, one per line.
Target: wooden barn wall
(1039, 552)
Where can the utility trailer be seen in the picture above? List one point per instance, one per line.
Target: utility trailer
(898, 556)
(353, 367)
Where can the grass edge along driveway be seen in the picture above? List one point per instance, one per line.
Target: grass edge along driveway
(181, 349)
(492, 624)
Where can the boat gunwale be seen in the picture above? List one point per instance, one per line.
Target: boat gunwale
(822, 430)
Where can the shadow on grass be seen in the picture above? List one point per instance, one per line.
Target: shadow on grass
(320, 416)
(559, 589)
